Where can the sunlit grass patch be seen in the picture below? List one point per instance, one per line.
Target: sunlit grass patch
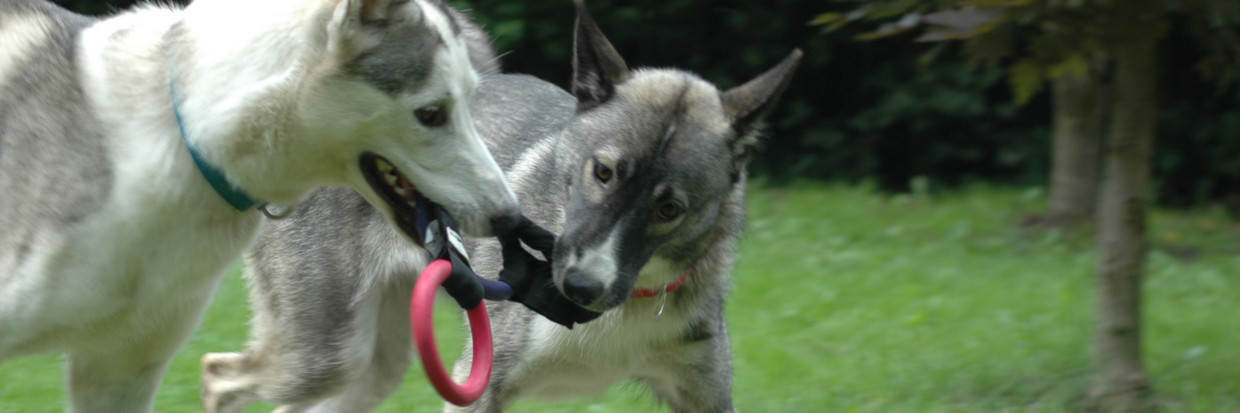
(847, 300)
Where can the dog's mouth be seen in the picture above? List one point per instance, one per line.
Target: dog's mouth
(395, 189)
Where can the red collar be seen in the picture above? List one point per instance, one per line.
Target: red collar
(647, 293)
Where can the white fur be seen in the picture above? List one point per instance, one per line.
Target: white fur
(624, 342)
(527, 164)
(658, 273)
(600, 260)
(122, 289)
(346, 118)
(19, 35)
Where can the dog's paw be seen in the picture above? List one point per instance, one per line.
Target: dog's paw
(220, 364)
(222, 392)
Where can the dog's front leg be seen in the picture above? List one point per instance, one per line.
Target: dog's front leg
(126, 379)
(315, 352)
(322, 343)
(387, 367)
(106, 383)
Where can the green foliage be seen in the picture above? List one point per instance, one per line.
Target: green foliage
(1027, 79)
(849, 300)
(1039, 41)
(1073, 65)
(1057, 34)
(1199, 133)
(841, 121)
(932, 122)
(1028, 76)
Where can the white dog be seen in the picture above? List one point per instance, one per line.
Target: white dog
(136, 151)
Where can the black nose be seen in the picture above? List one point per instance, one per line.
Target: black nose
(581, 289)
(506, 222)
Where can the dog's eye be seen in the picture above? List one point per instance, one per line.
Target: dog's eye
(432, 116)
(602, 172)
(669, 211)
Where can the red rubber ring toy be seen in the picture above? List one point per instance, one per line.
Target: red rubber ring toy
(420, 310)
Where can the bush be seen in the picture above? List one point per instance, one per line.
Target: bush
(860, 110)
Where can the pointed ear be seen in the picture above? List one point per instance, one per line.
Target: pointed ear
(597, 67)
(746, 105)
(477, 42)
(353, 23)
(352, 14)
(377, 11)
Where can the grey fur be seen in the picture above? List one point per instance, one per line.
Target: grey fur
(597, 65)
(400, 61)
(333, 273)
(310, 356)
(448, 10)
(481, 54)
(45, 120)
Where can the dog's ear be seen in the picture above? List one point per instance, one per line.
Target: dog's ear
(351, 15)
(377, 11)
(747, 105)
(477, 41)
(597, 67)
(357, 24)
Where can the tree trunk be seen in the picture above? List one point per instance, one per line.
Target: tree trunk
(1121, 383)
(1080, 108)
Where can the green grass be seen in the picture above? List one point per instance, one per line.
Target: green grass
(846, 300)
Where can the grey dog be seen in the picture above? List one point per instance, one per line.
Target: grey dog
(642, 173)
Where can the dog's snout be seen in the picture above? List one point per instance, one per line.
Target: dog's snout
(582, 289)
(506, 221)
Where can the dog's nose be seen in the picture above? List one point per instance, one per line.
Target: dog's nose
(505, 222)
(582, 289)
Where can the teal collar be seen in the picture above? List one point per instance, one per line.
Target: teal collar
(234, 195)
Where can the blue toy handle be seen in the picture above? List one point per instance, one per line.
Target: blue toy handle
(495, 290)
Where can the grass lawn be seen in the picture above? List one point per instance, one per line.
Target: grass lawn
(846, 300)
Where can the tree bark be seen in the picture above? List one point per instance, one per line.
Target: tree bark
(1121, 383)
(1079, 107)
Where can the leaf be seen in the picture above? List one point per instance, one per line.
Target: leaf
(835, 26)
(998, 3)
(939, 34)
(989, 48)
(1074, 64)
(963, 24)
(886, 30)
(909, 21)
(826, 18)
(1027, 78)
(929, 56)
(883, 10)
(860, 12)
(968, 19)
(835, 21)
